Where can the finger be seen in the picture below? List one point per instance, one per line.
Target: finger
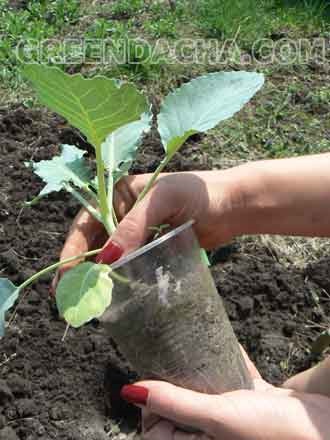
(314, 380)
(85, 233)
(127, 191)
(179, 405)
(255, 375)
(157, 207)
(163, 430)
(243, 415)
(148, 419)
(182, 435)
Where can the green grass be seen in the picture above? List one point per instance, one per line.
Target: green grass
(126, 8)
(291, 114)
(162, 27)
(38, 21)
(164, 22)
(250, 20)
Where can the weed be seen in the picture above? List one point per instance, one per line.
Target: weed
(100, 29)
(162, 27)
(164, 19)
(126, 8)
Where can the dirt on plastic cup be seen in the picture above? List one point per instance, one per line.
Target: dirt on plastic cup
(169, 320)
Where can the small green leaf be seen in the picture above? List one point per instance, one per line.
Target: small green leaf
(84, 293)
(8, 295)
(202, 103)
(120, 147)
(321, 343)
(69, 167)
(96, 106)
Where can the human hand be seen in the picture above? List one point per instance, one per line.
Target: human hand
(263, 197)
(207, 197)
(266, 412)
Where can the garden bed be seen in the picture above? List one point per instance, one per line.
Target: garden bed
(51, 388)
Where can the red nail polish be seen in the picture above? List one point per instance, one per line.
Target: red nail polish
(134, 394)
(110, 253)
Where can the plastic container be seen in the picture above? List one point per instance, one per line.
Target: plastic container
(169, 321)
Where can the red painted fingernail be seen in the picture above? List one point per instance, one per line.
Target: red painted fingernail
(134, 394)
(111, 253)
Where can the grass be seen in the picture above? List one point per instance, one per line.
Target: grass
(160, 25)
(250, 20)
(289, 117)
(38, 21)
(126, 8)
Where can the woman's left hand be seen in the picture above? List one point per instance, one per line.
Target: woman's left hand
(266, 413)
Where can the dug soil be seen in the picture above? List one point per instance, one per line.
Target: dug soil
(54, 389)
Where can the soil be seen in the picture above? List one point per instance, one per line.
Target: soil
(51, 388)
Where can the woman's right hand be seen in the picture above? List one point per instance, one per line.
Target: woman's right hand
(283, 196)
(207, 197)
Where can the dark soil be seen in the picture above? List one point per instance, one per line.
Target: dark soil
(52, 389)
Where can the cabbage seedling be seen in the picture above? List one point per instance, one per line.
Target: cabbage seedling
(114, 116)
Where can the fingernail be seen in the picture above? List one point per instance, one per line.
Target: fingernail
(110, 253)
(134, 394)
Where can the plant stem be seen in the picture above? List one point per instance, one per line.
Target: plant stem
(84, 202)
(118, 277)
(55, 266)
(110, 199)
(115, 220)
(102, 192)
(153, 178)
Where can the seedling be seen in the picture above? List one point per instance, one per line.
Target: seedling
(114, 117)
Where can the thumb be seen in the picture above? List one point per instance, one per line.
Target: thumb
(133, 231)
(179, 405)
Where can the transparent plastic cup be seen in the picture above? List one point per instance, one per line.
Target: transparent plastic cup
(169, 320)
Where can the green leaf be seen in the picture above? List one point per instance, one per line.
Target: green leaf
(202, 103)
(96, 106)
(321, 343)
(84, 293)
(120, 147)
(69, 167)
(8, 295)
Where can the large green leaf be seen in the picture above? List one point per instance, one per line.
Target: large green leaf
(69, 167)
(96, 106)
(120, 147)
(8, 295)
(202, 103)
(84, 293)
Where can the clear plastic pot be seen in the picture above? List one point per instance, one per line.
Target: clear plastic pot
(169, 321)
